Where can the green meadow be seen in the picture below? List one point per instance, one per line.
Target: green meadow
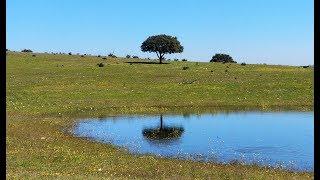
(46, 94)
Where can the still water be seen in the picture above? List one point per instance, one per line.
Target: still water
(276, 139)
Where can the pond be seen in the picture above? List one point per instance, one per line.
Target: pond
(273, 139)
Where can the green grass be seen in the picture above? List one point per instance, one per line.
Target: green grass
(44, 99)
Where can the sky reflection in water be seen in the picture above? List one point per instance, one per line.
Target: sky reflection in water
(275, 139)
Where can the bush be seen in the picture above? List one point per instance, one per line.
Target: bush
(224, 58)
(184, 60)
(70, 53)
(128, 56)
(104, 58)
(112, 55)
(100, 64)
(82, 55)
(176, 59)
(26, 50)
(135, 57)
(243, 64)
(185, 68)
(305, 66)
(33, 55)
(99, 56)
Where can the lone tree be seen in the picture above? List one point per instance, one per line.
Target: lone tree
(225, 58)
(162, 44)
(26, 50)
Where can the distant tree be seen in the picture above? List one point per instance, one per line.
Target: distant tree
(184, 60)
(128, 56)
(70, 53)
(162, 44)
(112, 55)
(26, 50)
(224, 58)
(135, 57)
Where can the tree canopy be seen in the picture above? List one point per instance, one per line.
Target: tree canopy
(225, 58)
(162, 44)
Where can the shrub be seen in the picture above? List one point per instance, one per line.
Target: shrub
(104, 58)
(100, 64)
(243, 64)
(112, 55)
(135, 57)
(128, 56)
(184, 60)
(70, 53)
(305, 66)
(185, 68)
(176, 59)
(99, 56)
(82, 55)
(26, 50)
(33, 55)
(224, 58)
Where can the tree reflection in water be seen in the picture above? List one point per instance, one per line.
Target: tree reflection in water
(163, 134)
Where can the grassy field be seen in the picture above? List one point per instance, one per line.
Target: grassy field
(46, 94)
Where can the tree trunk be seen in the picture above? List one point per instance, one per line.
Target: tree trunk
(161, 57)
(161, 122)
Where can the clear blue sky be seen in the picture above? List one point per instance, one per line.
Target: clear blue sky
(252, 31)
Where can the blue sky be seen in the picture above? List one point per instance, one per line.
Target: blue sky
(251, 31)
